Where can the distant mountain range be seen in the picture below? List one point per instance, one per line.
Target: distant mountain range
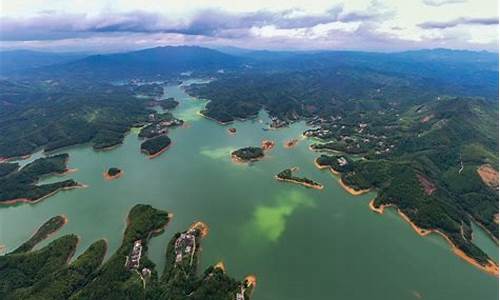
(465, 69)
(19, 60)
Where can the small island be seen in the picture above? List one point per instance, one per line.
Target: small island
(291, 143)
(287, 175)
(155, 146)
(112, 173)
(169, 103)
(248, 154)
(267, 145)
(231, 130)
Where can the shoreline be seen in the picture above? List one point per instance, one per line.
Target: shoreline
(112, 177)
(220, 265)
(108, 148)
(212, 119)
(251, 281)
(308, 185)
(14, 158)
(151, 156)
(201, 226)
(490, 268)
(238, 160)
(267, 145)
(289, 144)
(334, 172)
(35, 201)
(352, 191)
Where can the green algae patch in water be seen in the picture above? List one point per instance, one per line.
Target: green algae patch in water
(269, 221)
(217, 153)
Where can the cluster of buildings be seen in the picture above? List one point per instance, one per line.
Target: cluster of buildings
(185, 245)
(322, 133)
(134, 258)
(241, 294)
(277, 123)
(342, 161)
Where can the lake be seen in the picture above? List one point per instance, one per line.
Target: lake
(300, 243)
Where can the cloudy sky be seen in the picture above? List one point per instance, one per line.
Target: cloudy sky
(379, 25)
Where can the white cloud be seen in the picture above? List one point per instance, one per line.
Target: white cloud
(355, 24)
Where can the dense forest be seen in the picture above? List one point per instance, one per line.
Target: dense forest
(50, 115)
(155, 145)
(248, 153)
(47, 274)
(427, 165)
(419, 127)
(20, 184)
(287, 175)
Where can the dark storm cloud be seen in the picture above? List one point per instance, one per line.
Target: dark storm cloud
(459, 21)
(209, 22)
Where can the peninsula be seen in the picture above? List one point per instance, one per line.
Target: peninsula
(46, 273)
(20, 185)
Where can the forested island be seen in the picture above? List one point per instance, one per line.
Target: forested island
(127, 274)
(113, 173)
(287, 175)
(169, 103)
(155, 146)
(248, 154)
(20, 184)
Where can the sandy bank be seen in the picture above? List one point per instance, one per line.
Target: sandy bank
(212, 119)
(267, 145)
(251, 281)
(239, 160)
(34, 201)
(316, 187)
(201, 226)
(351, 190)
(220, 265)
(326, 167)
(151, 156)
(112, 177)
(491, 267)
(290, 143)
(379, 209)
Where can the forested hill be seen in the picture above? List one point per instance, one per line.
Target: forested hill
(465, 70)
(154, 62)
(19, 60)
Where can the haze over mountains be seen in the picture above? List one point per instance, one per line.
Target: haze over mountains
(464, 70)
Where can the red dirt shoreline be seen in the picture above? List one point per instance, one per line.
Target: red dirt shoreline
(151, 156)
(316, 187)
(490, 268)
(109, 177)
(34, 201)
